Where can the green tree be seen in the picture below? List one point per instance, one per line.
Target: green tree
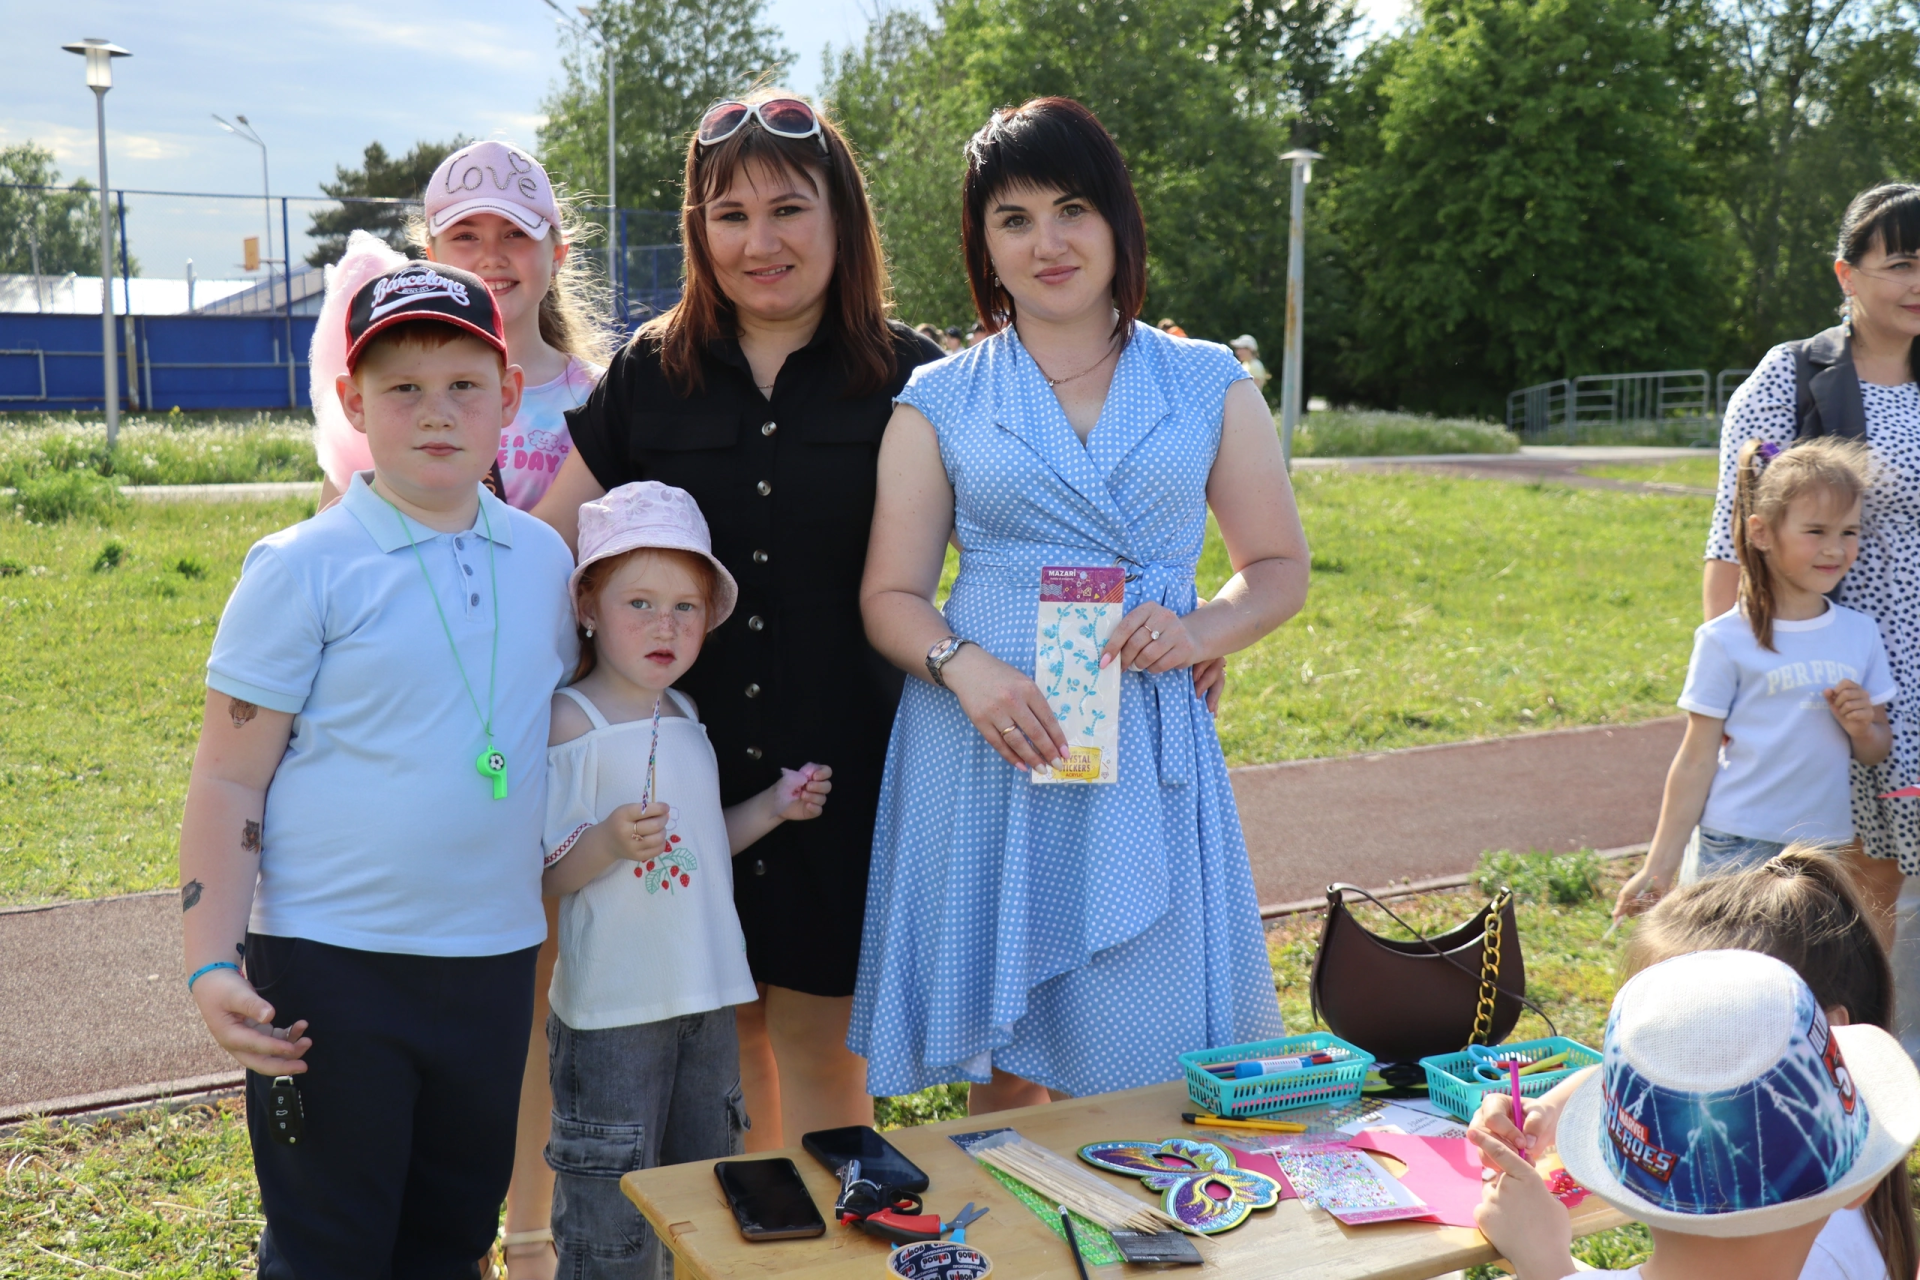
(1515, 182)
(404, 177)
(1201, 95)
(672, 59)
(1800, 104)
(57, 230)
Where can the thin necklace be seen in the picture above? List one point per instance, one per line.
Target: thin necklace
(1054, 382)
(491, 762)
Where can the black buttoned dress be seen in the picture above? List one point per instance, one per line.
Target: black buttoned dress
(787, 487)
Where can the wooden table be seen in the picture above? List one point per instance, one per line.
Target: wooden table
(684, 1204)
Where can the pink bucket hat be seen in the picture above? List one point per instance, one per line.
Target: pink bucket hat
(652, 515)
(491, 177)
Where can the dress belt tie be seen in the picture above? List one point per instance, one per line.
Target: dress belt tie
(1170, 693)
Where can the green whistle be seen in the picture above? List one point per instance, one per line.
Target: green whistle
(494, 765)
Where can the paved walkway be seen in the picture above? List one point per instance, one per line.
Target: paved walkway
(92, 1010)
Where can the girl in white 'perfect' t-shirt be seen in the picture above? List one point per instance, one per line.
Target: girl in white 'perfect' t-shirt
(643, 1058)
(1785, 689)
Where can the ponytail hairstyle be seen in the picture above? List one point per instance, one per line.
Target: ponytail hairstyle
(1767, 480)
(1889, 213)
(573, 311)
(1803, 908)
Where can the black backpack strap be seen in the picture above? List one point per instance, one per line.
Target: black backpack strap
(1806, 415)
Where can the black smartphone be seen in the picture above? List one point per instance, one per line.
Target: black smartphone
(768, 1199)
(880, 1161)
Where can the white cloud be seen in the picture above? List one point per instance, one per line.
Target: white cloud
(491, 46)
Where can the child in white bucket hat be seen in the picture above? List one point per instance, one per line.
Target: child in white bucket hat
(644, 1063)
(1728, 1115)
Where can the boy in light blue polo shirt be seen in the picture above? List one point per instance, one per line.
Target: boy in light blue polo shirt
(363, 822)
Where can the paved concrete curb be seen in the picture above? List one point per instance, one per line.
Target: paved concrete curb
(265, 491)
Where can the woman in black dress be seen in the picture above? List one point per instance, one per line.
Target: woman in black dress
(764, 394)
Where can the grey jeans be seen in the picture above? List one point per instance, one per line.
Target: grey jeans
(630, 1098)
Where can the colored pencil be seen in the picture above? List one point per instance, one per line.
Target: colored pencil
(1204, 1119)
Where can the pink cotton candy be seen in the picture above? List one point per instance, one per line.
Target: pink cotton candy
(340, 449)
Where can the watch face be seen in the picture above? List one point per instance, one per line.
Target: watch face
(942, 651)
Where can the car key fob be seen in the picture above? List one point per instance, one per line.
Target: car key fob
(286, 1122)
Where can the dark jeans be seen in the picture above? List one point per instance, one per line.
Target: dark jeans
(628, 1098)
(410, 1095)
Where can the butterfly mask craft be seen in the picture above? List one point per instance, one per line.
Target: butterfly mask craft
(1204, 1191)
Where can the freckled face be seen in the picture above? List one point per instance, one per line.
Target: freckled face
(649, 620)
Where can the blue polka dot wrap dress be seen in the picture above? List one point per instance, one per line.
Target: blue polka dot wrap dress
(1078, 935)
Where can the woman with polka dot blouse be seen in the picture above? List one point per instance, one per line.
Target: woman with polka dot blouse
(1070, 938)
(1868, 386)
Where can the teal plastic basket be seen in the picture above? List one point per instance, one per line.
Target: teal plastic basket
(1335, 1083)
(1452, 1083)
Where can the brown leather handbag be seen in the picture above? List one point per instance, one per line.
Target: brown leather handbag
(1406, 1000)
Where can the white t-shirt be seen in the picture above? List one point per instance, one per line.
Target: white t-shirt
(1844, 1250)
(644, 942)
(1784, 768)
(536, 442)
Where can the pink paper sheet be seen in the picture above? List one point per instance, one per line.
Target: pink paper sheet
(1445, 1172)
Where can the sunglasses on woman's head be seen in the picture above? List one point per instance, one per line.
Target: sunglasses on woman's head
(782, 117)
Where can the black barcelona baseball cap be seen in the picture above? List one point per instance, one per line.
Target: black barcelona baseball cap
(419, 292)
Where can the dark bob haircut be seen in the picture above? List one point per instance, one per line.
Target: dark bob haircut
(1051, 142)
(1889, 213)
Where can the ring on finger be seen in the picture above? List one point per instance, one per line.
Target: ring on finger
(1152, 634)
(1012, 728)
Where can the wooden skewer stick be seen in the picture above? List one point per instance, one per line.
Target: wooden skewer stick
(1053, 1177)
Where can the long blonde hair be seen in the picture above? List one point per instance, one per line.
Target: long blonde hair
(1767, 480)
(574, 308)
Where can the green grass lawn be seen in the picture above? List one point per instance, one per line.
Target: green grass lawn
(1358, 433)
(164, 1196)
(184, 448)
(104, 631)
(1701, 473)
(1444, 609)
(1441, 609)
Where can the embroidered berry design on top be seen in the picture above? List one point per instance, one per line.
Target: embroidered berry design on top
(675, 865)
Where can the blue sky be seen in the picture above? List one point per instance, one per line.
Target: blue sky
(319, 80)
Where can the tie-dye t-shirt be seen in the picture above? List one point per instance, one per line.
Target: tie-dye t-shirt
(536, 442)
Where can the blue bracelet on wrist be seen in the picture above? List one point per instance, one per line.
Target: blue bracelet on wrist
(209, 968)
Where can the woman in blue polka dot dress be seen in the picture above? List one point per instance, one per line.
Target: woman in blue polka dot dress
(1076, 937)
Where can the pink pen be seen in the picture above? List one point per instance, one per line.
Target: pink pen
(1519, 1117)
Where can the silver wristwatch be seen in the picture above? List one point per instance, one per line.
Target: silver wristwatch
(940, 655)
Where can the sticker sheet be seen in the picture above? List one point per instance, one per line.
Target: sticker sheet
(1079, 608)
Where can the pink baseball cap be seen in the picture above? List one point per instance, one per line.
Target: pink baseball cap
(491, 177)
(652, 515)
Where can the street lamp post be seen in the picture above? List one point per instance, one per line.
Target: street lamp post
(266, 187)
(100, 55)
(1296, 296)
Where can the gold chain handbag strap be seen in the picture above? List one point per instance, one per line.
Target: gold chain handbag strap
(1489, 972)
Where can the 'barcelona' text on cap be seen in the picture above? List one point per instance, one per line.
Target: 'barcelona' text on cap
(423, 292)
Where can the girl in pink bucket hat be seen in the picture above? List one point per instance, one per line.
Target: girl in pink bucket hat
(639, 851)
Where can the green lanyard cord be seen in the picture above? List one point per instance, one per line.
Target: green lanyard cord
(493, 579)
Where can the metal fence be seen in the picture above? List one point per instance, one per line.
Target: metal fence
(243, 344)
(1675, 403)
